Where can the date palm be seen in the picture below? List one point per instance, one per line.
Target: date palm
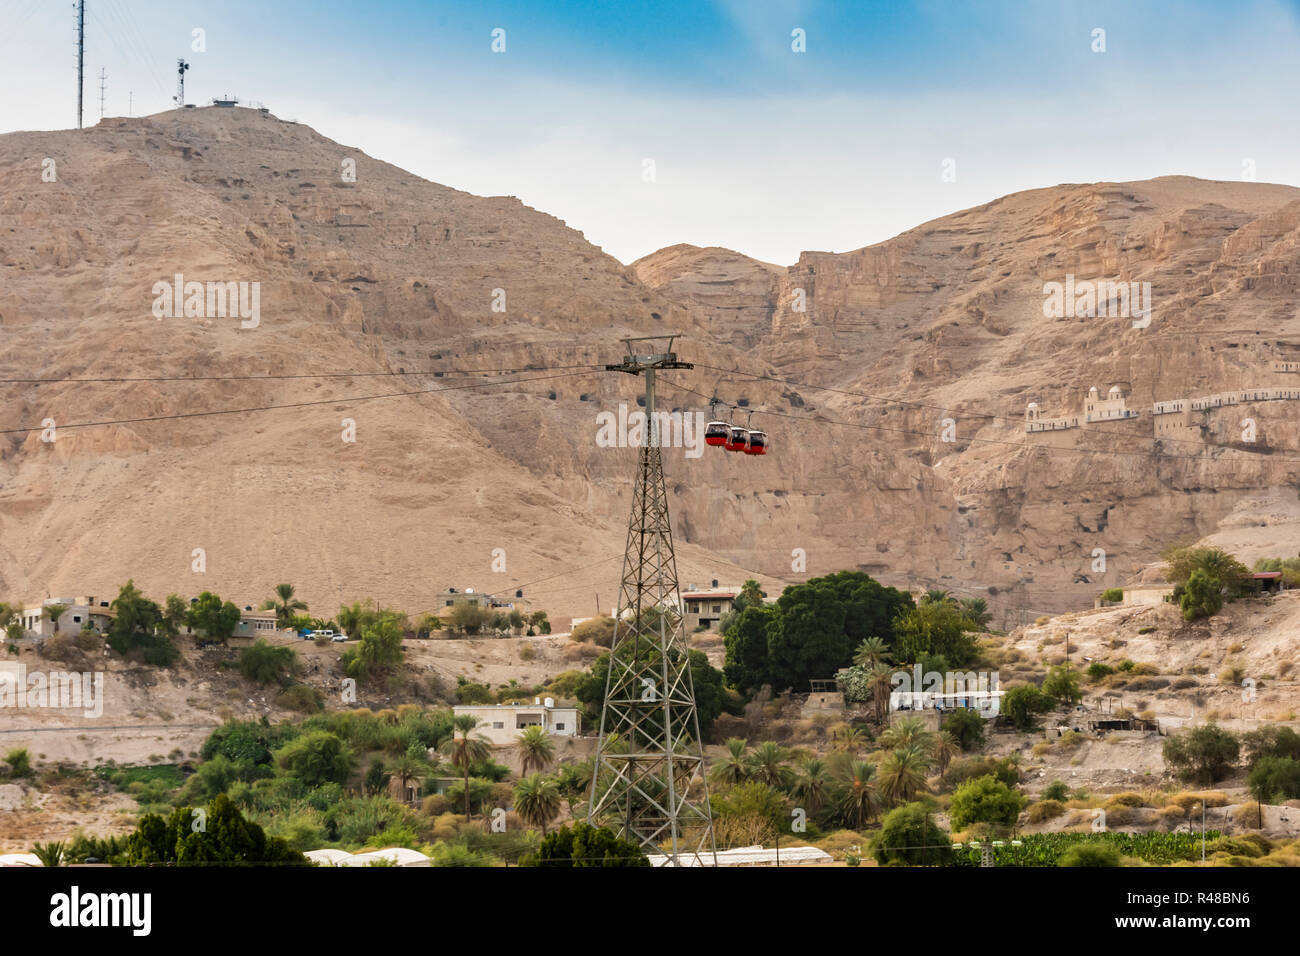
(466, 748)
(407, 768)
(880, 681)
(734, 767)
(536, 749)
(767, 765)
(859, 801)
(902, 773)
(537, 800)
(285, 607)
(871, 652)
(851, 739)
(905, 732)
(812, 785)
(943, 747)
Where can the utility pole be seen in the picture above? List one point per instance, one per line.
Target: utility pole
(130, 103)
(641, 785)
(81, 55)
(103, 80)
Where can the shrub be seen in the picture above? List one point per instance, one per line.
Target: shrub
(1020, 704)
(303, 698)
(20, 763)
(1090, 854)
(585, 845)
(909, 836)
(1097, 670)
(1045, 810)
(1056, 790)
(967, 727)
(268, 663)
(1113, 595)
(1205, 754)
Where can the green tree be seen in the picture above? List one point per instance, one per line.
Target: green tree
(226, 838)
(1203, 754)
(585, 845)
(50, 854)
(985, 800)
(213, 618)
(19, 762)
(1063, 684)
(976, 610)
(316, 758)
(286, 605)
(598, 630)
(934, 628)
(859, 800)
(537, 800)
(380, 649)
(1202, 597)
(871, 652)
(1213, 562)
(466, 748)
(767, 765)
(268, 663)
(752, 593)
(1275, 780)
(9, 617)
(734, 766)
(967, 727)
(536, 749)
(710, 696)
(908, 835)
(1021, 703)
(746, 665)
(135, 631)
(54, 612)
(902, 773)
(812, 785)
(468, 617)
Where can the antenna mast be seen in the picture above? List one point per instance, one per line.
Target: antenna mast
(181, 67)
(103, 79)
(641, 785)
(81, 55)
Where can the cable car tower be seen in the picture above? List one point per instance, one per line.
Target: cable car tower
(650, 751)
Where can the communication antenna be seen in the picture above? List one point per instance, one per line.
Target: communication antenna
(103, 80)
(81, 55)
(181, 67)
(650, 752)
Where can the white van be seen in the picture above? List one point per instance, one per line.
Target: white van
(328, 633)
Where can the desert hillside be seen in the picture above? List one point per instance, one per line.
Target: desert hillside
(394, 274)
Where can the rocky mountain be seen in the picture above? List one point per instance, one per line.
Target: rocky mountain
(425, 292)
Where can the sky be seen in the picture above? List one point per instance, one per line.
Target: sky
(645, 124)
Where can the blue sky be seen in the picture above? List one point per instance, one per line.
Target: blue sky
(755, 147)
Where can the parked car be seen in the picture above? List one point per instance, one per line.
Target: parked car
(339, 638)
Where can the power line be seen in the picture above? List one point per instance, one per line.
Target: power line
(264, 408)
(295, 375)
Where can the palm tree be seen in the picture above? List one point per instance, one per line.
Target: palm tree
(943, 747)
(54, 612)
(752, 593)
(536, 749)
(405, 769)
(871, 652)
(902, 773)
(848, 738)
(767, 765)
(936, 596)
(287, 605)
(537, 800)
(466, 749)
(977, 609)
(880, 681)
(734, 767)
(906, 732)
(50, 854)
(812, 786)
(859, 802)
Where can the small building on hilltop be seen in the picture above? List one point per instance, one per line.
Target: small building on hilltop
(704, 609)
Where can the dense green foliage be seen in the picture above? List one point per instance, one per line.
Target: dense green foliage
(186, 838)
(810, 632)
(1203, 754)
(1202, 597)
(584, 845)
(213, 618)
(1021, 704)
(137, 632)
(268, 663)
(711, 698)
(909, 835)
(985, 800)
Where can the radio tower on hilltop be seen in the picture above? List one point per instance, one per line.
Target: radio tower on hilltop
(81, 55)
(181, 67)
(650, 753)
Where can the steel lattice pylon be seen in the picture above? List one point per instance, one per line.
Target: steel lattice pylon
(650, 753)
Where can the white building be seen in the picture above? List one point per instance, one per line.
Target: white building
(502, 723)
(1111, 408)
(34, 622)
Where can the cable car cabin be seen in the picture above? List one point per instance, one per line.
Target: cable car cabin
(736, 439)
(716, 433)
(757, 444)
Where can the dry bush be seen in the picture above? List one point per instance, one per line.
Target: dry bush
(581, 652)
(1246, 816)
(435, 805)
(1235, 648)
(1041, 748)
(1192, 799)
(1143, 669)
(1045, 810)
(1128, 799)
(1172, 815)
(1284, 668)
(63, 648)
(1183, 683)
(1040, 621)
